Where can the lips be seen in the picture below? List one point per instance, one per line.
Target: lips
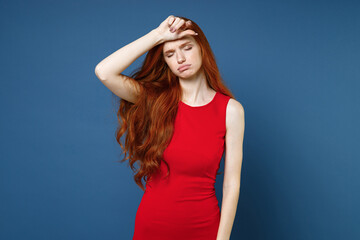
(183, 67)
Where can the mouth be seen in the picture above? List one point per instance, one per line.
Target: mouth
(184, 67)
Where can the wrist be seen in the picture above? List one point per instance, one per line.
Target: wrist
(156, 36)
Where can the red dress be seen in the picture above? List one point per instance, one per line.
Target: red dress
(184, 205)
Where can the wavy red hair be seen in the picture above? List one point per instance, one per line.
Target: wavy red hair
(149, 122)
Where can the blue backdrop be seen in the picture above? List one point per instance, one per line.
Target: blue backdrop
(294, 65)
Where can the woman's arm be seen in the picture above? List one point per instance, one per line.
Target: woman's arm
(109, 70)
(235, 126)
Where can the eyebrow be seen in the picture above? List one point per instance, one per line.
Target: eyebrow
(171, 50)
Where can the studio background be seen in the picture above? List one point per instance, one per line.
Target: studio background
(293, 65)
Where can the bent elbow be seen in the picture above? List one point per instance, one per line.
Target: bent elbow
(99, 74)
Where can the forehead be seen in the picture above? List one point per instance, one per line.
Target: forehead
(175, 43)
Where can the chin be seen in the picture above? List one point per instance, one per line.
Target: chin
(186, 73)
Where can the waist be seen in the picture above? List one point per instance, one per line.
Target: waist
(181, 189)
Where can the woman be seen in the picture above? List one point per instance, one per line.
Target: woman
(178, 114)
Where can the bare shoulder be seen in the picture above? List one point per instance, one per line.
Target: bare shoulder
(235, 114)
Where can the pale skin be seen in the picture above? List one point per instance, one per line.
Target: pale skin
(180, 48)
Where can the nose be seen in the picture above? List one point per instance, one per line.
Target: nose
(180, 58)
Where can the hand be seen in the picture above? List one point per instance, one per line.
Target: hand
(177, 25)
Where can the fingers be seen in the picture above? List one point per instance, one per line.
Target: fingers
(179, 24)
(176, 23)
(173, 27)
(171, 19)
(186, 25)
(187, 32)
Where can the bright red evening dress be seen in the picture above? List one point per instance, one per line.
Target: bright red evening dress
(184, 205)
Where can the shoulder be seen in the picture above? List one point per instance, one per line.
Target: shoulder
(234, 108)
(235, 114)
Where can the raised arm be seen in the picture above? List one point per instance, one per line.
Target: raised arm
(109, 70)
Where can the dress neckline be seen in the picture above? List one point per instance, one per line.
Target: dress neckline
(205, 105)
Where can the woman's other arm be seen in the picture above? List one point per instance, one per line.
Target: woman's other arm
(235, 125)
(109, 69)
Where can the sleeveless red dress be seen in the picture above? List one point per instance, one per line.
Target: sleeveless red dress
(184, 205)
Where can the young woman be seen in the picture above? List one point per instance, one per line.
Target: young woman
(179, 118)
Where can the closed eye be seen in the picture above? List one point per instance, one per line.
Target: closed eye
(187, 49)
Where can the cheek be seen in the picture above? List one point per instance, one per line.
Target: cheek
(196, 58)
(172, 65)
(169, 63)
(196, 55)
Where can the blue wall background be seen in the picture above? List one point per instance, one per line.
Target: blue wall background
(294, 65)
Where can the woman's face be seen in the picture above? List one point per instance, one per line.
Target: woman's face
(180, 52)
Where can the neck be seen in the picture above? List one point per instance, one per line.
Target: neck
(196, 90)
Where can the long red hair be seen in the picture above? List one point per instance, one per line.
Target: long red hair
(149, 122)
